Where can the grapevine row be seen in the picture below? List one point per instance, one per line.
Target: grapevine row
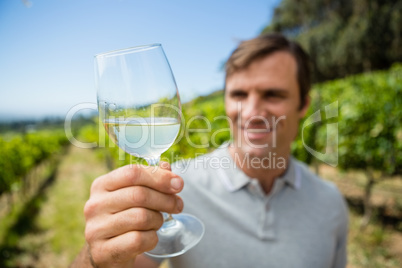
(23, 152)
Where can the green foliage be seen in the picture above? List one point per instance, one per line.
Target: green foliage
(205, 126)
(23, 152)
(343, 37)
(369, 120)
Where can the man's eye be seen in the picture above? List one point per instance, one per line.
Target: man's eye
(272, 95)
(238, 94)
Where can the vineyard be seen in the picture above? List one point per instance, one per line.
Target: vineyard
(353, 132)
(21, 153)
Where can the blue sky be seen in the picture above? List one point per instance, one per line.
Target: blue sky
(47, 46)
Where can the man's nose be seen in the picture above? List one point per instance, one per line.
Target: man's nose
(253, 107)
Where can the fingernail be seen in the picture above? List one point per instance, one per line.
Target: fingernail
(176, 183)
(179, 204)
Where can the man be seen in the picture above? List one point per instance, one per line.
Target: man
(260, 207)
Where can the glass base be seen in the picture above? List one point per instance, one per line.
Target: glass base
(177, 236)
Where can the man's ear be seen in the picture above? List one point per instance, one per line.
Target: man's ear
(303, 110)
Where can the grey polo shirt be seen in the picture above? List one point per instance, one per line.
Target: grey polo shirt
(302, 223)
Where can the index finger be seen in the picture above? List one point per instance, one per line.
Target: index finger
(158, 179)
(165, 165)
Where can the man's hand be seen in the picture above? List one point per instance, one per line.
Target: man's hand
(123, 212)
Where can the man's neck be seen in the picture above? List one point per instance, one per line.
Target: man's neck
(264, 169)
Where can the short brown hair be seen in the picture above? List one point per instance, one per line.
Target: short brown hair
(250, 50)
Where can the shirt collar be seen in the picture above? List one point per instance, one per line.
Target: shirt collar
(233, 178)
(292, 174)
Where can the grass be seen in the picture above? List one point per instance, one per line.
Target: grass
(62, 214)
(370, 247)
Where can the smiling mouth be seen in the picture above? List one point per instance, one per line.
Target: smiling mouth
(257, 130)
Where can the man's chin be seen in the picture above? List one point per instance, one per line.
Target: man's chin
(257, 151)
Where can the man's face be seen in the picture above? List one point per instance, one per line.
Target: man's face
(262, 102)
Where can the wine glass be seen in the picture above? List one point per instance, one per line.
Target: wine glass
(140, 108)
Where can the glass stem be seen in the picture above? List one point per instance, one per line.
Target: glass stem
(153, 161)
(168, 220)
(168, 223)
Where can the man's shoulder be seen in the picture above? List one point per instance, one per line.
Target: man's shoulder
(314, 185)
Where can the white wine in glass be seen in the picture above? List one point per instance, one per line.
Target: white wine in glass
(135, 136)
(139, 106)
